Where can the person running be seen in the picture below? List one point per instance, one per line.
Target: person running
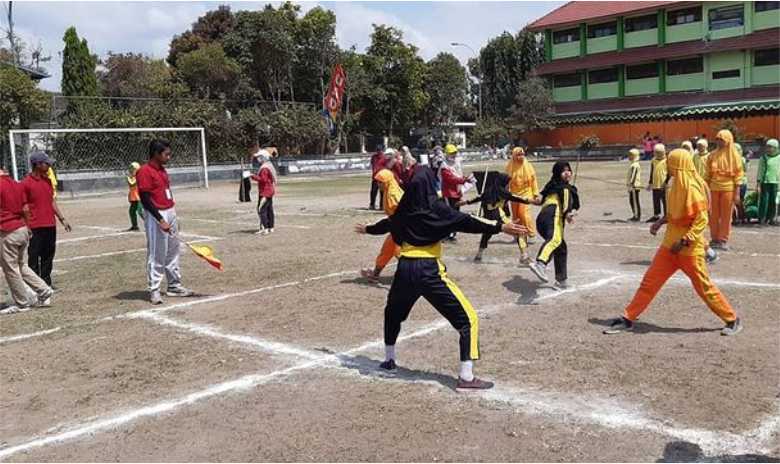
(451, 180)
(40, 199)
(723, 171)
(14, 241)
(682, 248)
(160, 224)
(767, 183)
(523, 184)
(266, 189)
(657, 182)
(493, 199)
(376, 165)
(421, 221)
(132, 196)
(392, 196)
(560, 203)
(634, 184)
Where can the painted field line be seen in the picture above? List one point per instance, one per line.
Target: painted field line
(14, 338)
(648, 247)
(734, 230)
(246, 223)
(93, 237)
(242, 213)
(123, 252)
(242, 384)
(183, 234)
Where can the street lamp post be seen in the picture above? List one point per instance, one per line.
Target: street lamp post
(474, 53)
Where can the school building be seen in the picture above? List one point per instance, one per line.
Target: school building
(675, 69)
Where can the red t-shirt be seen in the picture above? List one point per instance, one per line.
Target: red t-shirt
(11, 204)
(265, 182)
(377, 163)
(39, 196)
(153, 178)
(450, 183)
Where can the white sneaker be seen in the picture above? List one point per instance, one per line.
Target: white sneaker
(262, 232)
(44, 299)
(13, 309)
(271, 230)
(155, 298)
(178, 292)
(540, 270)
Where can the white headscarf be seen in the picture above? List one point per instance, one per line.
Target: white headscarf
(265, 158)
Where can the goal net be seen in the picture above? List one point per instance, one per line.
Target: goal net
(92, 160)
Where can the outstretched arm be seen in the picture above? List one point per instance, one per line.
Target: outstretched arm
(380, 228)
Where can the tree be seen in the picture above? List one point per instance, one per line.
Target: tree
(533, 106)
(78, 67)
(208, 71)
(490, 131)
(447, 85)
(211, 27)
(316, 53)
(21, 102)
(135, 75)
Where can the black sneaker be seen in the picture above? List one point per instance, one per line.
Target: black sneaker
(652, 219)
(388, 365)
(473, 384)
(732, 328)
(619, 325)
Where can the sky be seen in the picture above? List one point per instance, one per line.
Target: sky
(148, 27)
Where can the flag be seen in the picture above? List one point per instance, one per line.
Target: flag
(205, 252)
(338, 83)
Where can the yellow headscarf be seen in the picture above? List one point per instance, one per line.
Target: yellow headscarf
(725, 160)
(522, 174)
(688, 194)
(392, 191)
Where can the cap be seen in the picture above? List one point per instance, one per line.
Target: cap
(40, 157)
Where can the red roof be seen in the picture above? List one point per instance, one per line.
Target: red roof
(579, 12)
(765, 38)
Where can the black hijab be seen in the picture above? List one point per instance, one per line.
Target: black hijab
(556, 186)
(497, 188)
(423, 217)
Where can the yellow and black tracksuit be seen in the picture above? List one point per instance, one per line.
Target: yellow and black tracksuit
(550, 224)
(497, 212)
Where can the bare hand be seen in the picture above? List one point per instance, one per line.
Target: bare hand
(649, 188)
(677, 247)
(165, 226)
(360, 228)
(512, 228)
(570, 218)
(460, 203)
(66, 225)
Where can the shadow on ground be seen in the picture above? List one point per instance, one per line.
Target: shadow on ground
(646, 327)
(528, 289)
(136, 295)
(368, 367)
(384, 281)
(683, 451)
(641, 262)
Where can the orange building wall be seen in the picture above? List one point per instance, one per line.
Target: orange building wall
(671, 131)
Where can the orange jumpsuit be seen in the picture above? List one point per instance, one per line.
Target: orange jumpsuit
(523, 184)
(392, 194)
(687, 219)
(723, 170)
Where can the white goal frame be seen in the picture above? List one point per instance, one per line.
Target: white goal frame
(201, 130)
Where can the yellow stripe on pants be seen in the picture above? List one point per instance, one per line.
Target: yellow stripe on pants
(466, 304)
(555, 241)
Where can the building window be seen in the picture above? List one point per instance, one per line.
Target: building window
(569, 35)
(767, 6)
(686, 16)
(725, 74)
(642, 23)
(642, 71)
(726, 17)
(603, 76)
(602, 30)
(567, 80)
(685, 66)
(769, 57)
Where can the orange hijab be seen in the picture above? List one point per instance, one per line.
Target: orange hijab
(687, 194)
(725, 160)
(521, 173)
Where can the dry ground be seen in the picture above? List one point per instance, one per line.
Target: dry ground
(275, 358)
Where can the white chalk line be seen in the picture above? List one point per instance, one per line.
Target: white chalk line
(181, 233)
(93, 237)
(648, 247)
(246, 223)
(125, 252)
(734, 230)
(14, 338)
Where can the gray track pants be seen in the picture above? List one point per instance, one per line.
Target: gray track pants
(162, 251)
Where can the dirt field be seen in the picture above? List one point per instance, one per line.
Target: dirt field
(276, 358)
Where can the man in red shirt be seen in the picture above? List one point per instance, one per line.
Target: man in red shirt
(162, 242)
(266, 187)
(377, 163)
(39, 196)
(14, 240)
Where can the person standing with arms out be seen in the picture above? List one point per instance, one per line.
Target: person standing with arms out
(451, 181)
(14, 241)
(682, 248)
(724, 169)
(132, 196)
(377, 163)
(657, 182)
(634, 184)
(266, 189)
(39, 196)
(161, 225)
(421, 221)
(523, 184)
(767, 183)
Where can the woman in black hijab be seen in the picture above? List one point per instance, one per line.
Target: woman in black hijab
(560, 203)
(423, 219)
(495, 195)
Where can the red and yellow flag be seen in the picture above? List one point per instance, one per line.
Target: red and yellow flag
(338, 82)
(207, 253)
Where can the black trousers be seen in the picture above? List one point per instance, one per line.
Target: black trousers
(374, 190)
(495, 215)
(659, 202)
(550, 227)
(633, 199)
(244, 189)
(453, 202)
(265, 209)
(427, 278)
(40, 254)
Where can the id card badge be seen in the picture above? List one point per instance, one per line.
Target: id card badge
(168, 194)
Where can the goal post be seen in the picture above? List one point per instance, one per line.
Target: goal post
(98, 158)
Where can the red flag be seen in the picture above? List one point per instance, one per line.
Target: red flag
(338, 82)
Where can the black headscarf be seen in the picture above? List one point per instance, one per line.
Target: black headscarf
(496, 189)
(423, 217)
(556, 186)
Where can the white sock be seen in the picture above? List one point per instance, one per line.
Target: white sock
(466, 370)
(389, 352)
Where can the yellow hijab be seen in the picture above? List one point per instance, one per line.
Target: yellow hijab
(392, 191)
(725, 160)
(521, 173)
(688, 193)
